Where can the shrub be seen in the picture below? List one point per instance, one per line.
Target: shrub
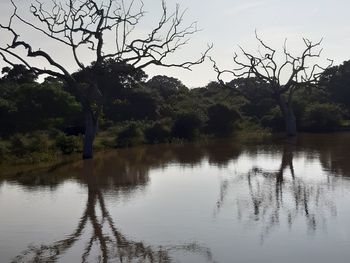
(54, 133)
(158, 133)
(252, 126)
(321, 116)
(186, 126)
(274, 120)
(132, 135)
(3, 151)
(221, 119)
(38, 142)
(68, 144)
(18, 145)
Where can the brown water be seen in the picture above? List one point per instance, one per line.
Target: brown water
(275, 200)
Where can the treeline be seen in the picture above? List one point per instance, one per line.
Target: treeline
(46, 119)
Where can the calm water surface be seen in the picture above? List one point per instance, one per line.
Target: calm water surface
(275, 200)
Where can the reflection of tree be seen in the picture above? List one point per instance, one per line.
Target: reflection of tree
(332, 150)
(105, 238)
(128, 167)
(277, 197)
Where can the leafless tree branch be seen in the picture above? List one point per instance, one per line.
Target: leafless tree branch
(265, 66)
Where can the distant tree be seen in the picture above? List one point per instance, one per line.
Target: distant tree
(336, 81)
(30, 106)
(265, 68)
(213, 85)
(158, 133)
(187, 126)
(85, 26)
(221, 119)
(133, 105)
(166, 86)
(321, 117)
(18, 74)
(259, 98)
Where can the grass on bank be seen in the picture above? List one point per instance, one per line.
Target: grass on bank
(50, 147)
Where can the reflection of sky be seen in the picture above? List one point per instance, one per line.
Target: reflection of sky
(37, 216)
(183, 200)
(228, 23)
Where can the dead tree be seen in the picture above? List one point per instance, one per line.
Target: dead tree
(283, 78)
(85, 25)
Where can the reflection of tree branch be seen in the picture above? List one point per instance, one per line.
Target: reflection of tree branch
(274, 196)
(127, 250)
(88, 250)
(113, 245)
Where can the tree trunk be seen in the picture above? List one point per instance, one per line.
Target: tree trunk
(289, 117)
(90, 133)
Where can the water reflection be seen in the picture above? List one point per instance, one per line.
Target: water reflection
(128, 169)
(111, 244)
(332, 151)
(266, 185)
(281, 195)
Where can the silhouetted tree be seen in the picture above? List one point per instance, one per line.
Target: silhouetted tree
(264, 67)
(166, 86)
(221, 119)
(85, 25)
(19, 74)
(187, 126)
(258, 96)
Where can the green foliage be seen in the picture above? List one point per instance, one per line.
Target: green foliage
(19, 74)
(273, 119)
(187, 126)
(3, 151)
(336, 81)
(31, 106)
(321, 116)
(166, 86)
(250, 126)
(221, 120)
(18, 145)
(38, 120)
(32, 147)
(158, 133)
(132, 135)
(68, 144)
(258, 98)
(39, 142)
(136, 105)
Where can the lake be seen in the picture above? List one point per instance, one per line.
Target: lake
(268, 200)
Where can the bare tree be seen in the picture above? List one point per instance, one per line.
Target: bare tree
(282, 78)
(82, 25)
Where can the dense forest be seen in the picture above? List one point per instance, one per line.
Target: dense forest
(42, 120)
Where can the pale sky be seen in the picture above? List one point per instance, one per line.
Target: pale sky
(229, 23)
